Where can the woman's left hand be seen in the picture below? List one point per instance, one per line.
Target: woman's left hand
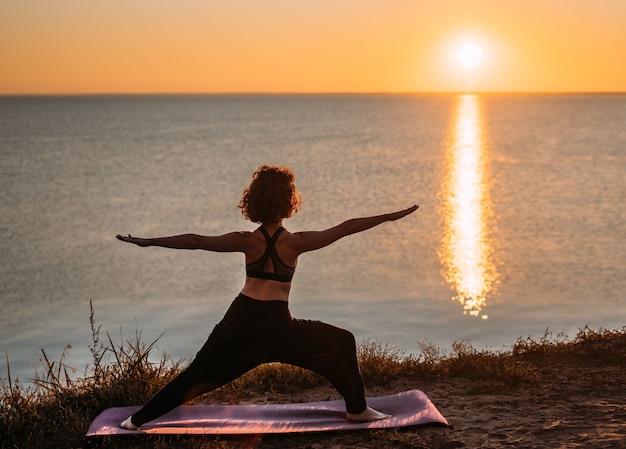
(136, 240)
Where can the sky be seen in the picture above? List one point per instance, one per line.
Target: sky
(306, 46)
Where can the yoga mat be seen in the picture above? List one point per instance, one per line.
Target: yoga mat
(409, 408)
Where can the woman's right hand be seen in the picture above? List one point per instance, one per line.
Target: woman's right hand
(136, 240)
(402, 213)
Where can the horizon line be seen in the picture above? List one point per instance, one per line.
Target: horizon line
(304, 93)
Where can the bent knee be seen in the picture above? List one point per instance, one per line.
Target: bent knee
(346, 339)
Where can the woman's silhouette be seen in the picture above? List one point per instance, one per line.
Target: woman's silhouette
(258, 327)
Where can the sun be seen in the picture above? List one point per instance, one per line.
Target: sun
(469, 55)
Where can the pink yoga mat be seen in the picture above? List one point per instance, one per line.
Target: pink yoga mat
(409, 408)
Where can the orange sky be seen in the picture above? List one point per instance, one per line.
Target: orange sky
(198, 46)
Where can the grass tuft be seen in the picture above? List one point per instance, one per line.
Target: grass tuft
(381, 364)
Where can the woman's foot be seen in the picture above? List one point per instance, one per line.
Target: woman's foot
(369, 414)
(128, 424)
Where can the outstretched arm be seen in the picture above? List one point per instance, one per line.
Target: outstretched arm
(312, 240)
(232, 242)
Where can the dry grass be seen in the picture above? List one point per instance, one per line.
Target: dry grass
(56, 410)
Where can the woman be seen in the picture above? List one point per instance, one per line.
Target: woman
(258, 327)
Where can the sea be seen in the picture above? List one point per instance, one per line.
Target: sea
(520, 231)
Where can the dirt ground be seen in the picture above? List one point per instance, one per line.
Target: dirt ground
(579, 400)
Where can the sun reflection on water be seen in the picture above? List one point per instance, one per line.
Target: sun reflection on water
(466, 252)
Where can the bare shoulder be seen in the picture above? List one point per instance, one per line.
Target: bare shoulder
(232, 241)
(304, 241)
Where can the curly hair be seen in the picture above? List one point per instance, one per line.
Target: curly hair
(271, 196)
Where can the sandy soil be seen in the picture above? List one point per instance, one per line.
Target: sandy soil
(578, 400)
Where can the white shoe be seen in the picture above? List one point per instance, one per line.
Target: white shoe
(128, 424)
(367, 415)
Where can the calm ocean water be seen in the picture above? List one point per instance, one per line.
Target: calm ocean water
(530, 189)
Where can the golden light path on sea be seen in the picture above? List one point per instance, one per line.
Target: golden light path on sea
(466, 252)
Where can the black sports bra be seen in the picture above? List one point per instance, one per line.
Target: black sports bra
(281, 273)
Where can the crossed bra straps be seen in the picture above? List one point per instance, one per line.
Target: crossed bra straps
(282, 272)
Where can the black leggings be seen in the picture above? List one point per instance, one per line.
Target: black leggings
(254, 332)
